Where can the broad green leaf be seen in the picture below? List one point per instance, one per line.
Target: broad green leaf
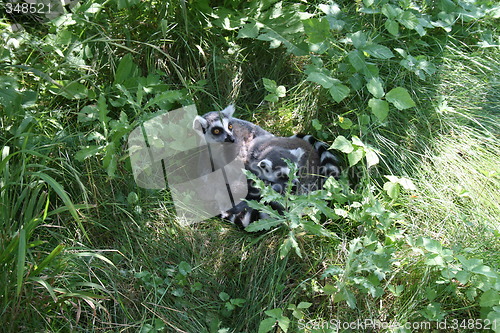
(132, 198)
(73, 90)
(490, 298)
(317, 125)
(87, 152)
(304, 305)
(249, 30)
(342, 144)
(358, 39)
(345, 123)
(269, 85)
(357, 142)
(463, 277)
(276, 40)
(330, 289)
(357, 60)
(331, 9)
(390, 11)
(392, 189)
(407, 184)
(375, 87)
(380, 108)
(285, 247)
(124, 69)
(378, 51)
(318, 30)
(284, 323)
(267, 325)
(392, 26)
(165, 99)
(494, 318)
(290, 243)
(400, 98)
(184, 268)
(355, 156)
(316, 229)
(110, 159)
(430, 293)
(271, 98)
(371, 157)
(102, 108)
(238, 301)
(122, 4)
(322, 79)
(485, 270)
(224, 296)
(339, 92)
(430, 245)
(409, 20)
(469, 264)
(264, 224)
(275, 313)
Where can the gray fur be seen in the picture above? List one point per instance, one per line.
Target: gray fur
(220, 126)
(266, 158)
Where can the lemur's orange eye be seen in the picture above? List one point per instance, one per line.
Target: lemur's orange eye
(216, 131)
(230, 126)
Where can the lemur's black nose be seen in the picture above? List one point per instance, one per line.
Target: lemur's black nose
(229, 139)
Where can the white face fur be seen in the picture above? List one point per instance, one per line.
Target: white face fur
(216, 126)
(274, 168)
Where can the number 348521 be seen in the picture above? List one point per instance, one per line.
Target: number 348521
(27, 8)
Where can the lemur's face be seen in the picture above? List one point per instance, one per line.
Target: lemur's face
(274, 169)
(215, 127)
(220, 131)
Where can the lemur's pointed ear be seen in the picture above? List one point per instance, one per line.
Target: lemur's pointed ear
(228, 112)
(265, 164)
(199, 123)
(297, 152)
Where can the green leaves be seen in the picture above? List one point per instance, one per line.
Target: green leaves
(126, 69)
(276, 92)
(337, 90)
(276, 317)
(250, 30)
(378, 51)
(400, 98)
(318, 30)
(393, 186)
(342, 144)
(380, 108)
(355, 151)
(375, 87)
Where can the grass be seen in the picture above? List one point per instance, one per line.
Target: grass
(78, 253)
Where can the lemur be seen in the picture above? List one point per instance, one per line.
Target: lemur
(264, 155)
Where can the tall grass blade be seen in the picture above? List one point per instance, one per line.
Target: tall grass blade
(58, 249)
(21, 257)
(65, 198)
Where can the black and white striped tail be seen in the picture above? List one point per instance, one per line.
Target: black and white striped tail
(329, 163)
(242, 215)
